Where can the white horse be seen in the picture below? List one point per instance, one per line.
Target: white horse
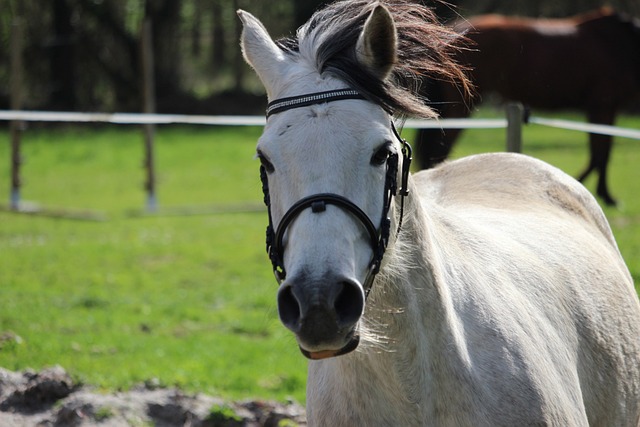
(501, 300)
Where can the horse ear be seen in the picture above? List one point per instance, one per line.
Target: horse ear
(261, 52)
(377, 45)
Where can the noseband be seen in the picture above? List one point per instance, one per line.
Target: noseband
(378, 237)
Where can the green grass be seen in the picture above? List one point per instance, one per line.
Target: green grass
(187, 300)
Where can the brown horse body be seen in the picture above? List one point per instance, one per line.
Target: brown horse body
(590, 62)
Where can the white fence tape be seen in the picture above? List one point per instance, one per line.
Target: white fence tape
(134, 118)
(141, 119)
(587, 127)
(130, 118)
(456, 124)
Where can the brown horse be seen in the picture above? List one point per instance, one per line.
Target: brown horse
(589, 62)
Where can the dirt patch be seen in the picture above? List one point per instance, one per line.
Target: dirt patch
(51, 398)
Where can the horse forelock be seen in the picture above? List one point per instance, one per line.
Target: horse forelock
(327, 43)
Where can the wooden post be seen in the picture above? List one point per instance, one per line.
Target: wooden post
(16, 104)
(515, 113)
(148, 106)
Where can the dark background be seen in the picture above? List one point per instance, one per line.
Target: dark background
(84, 55)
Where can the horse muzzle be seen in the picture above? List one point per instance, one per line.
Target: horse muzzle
(322, 314)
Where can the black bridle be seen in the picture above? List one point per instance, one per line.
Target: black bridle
(378, 237)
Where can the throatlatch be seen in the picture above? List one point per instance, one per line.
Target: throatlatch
(379, 237)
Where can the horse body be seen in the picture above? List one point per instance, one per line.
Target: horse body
(589, 62)
(502, 300)
(505, 338)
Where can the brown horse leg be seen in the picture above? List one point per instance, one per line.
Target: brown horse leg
(600, 148)
(433, 146)
(589, 168)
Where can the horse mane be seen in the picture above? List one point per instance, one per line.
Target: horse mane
(425, 47)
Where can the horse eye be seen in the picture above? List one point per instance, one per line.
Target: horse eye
(382, 154)
(264, 161)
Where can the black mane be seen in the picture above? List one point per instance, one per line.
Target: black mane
(424, 48)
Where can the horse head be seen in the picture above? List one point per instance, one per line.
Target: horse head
(339, 149)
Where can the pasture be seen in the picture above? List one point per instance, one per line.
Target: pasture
(186, 300)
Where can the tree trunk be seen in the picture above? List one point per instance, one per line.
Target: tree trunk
(218, 45)
(302, 10)
(62, 58)
(165, 19)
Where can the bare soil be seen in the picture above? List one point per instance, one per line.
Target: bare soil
(51, 398)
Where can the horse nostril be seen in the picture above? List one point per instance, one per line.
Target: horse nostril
(289, 308)
(349, 304)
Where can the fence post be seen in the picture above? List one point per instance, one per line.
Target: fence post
(16, 104)
(515, 113)
(148, 106)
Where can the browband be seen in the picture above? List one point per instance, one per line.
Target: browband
(283, 104)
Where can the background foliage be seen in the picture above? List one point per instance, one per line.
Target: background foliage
(85, 54)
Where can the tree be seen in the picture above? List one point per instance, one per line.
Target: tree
(85, 54)
(164, 16)
(302, 10)
(62, 58)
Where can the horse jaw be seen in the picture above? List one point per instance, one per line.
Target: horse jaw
(261, 52)
(377, 45)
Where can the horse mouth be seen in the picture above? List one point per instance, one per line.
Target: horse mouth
(351, 345)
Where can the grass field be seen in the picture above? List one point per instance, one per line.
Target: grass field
(187, 300)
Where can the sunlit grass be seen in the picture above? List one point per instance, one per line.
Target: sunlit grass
(189, 300)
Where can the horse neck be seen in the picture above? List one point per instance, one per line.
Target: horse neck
(412, 282)
(418, 347)
(424, 322)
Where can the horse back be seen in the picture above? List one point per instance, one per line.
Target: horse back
(554, 63)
